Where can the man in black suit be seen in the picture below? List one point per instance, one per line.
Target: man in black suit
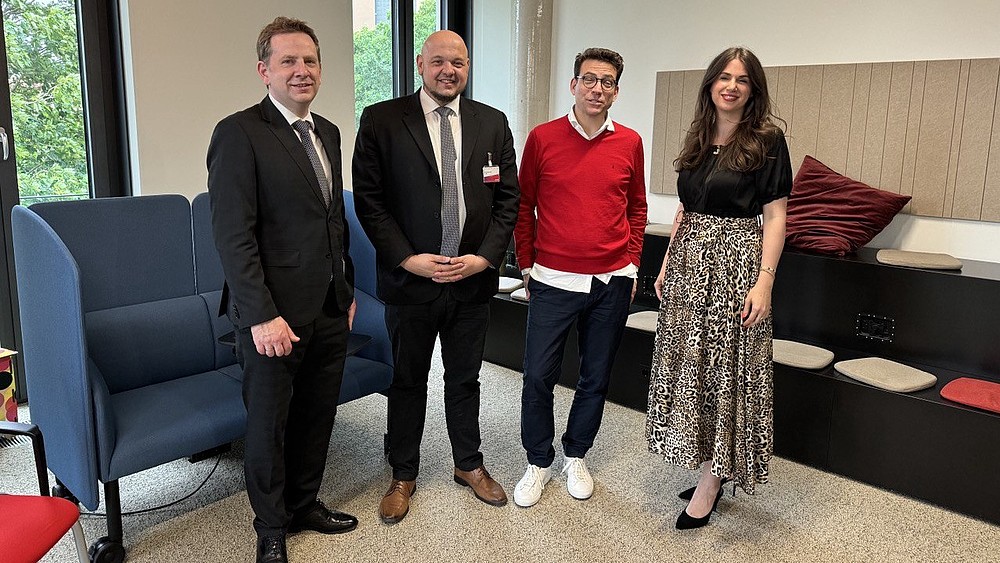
(274, 177)
(435, 188)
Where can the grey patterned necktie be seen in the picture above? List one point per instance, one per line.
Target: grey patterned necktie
(303, 128)
(449, 186)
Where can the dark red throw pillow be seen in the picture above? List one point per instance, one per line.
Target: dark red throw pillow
(829, 213)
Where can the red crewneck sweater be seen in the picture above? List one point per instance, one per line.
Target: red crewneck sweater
(590, 197)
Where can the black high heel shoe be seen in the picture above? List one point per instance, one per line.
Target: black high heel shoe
(687, 494)
(687, 522)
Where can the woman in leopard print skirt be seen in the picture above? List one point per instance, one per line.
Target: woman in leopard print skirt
(711, 386)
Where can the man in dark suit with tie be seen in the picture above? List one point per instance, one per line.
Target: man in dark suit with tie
(274, 177)
(435, 188)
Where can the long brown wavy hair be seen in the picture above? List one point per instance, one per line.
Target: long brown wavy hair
(747, 149)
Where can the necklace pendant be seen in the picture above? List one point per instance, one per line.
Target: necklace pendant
(717, 149)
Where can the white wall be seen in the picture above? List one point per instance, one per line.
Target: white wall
(675, 35)
(190, 63)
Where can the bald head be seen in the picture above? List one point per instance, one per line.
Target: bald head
(443, 64)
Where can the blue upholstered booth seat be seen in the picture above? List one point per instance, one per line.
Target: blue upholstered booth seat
(148, 343)
(171, 420)
(119, 301)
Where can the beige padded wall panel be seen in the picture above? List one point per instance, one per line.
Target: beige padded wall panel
(991, 195)
(937, 124)
(873, 140)
(970, 181)
(913, 129)
(928, 129)
(956, 139)
(784, 105)
(835, 108)
(660, 128)
(900, 81)
(803, 127)
(859, 110)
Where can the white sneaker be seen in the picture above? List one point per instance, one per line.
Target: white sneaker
(579, 483)
(529, 488)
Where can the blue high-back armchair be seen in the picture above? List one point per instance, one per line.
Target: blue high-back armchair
(121, 361)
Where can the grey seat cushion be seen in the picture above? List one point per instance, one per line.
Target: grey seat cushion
(508, 285)
(642, 320)
(799, 355)
(928, 260)
(886, 374)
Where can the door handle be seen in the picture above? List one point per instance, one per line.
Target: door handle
(3, 140)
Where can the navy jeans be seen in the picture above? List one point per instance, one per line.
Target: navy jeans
(600, 317)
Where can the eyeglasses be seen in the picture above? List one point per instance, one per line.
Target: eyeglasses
(589, 80)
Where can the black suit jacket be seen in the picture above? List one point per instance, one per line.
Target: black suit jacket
(397, 195)
(283, 252)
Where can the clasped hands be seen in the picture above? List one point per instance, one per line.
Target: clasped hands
(443, 269)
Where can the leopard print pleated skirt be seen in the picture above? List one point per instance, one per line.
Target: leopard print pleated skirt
(711, 380)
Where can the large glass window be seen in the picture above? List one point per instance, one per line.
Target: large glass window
(43, 63)
(374, 60)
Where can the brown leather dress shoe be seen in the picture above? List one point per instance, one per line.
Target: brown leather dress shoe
(483, 486)
(396, 501)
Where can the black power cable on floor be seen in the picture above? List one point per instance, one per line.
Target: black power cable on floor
(218, 459)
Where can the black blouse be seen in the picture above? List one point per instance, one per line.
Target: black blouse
(725, 193)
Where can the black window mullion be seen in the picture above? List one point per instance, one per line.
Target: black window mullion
(403, 57)
(102, 69)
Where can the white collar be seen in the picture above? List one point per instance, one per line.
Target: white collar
(429, 104)
(290, 116)
(608, 125)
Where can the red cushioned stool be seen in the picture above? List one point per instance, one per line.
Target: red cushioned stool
(974, 393)
(31, 525)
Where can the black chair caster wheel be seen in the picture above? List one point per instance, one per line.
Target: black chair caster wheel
(106, 551)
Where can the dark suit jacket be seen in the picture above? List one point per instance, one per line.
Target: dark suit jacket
(278, 242)
(397, 195)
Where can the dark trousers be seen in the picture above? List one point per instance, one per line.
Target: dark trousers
(291, 402)
(413, 330)
(600, 317)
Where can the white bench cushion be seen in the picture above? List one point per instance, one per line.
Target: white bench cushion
(886, 374)
(799, 355)
(519, 294)
(659, 229)
(928, 260)
(508, 285)
(642, 320)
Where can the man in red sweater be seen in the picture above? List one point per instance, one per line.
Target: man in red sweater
(583, 176)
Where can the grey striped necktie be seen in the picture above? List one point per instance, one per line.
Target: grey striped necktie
(303, 128)
(449, 186)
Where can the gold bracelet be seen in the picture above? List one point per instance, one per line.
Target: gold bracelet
(769, 270)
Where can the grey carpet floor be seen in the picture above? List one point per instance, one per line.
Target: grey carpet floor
(801, 515)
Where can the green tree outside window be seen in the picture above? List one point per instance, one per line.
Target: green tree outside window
(46, 101)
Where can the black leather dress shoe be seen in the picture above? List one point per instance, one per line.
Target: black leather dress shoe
(271, 549)
(323, 520)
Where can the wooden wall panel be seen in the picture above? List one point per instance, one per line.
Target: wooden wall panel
(921, 128)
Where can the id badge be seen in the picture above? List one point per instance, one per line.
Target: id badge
(491, 173)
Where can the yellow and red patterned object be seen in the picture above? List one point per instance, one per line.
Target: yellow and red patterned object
(8, 405)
